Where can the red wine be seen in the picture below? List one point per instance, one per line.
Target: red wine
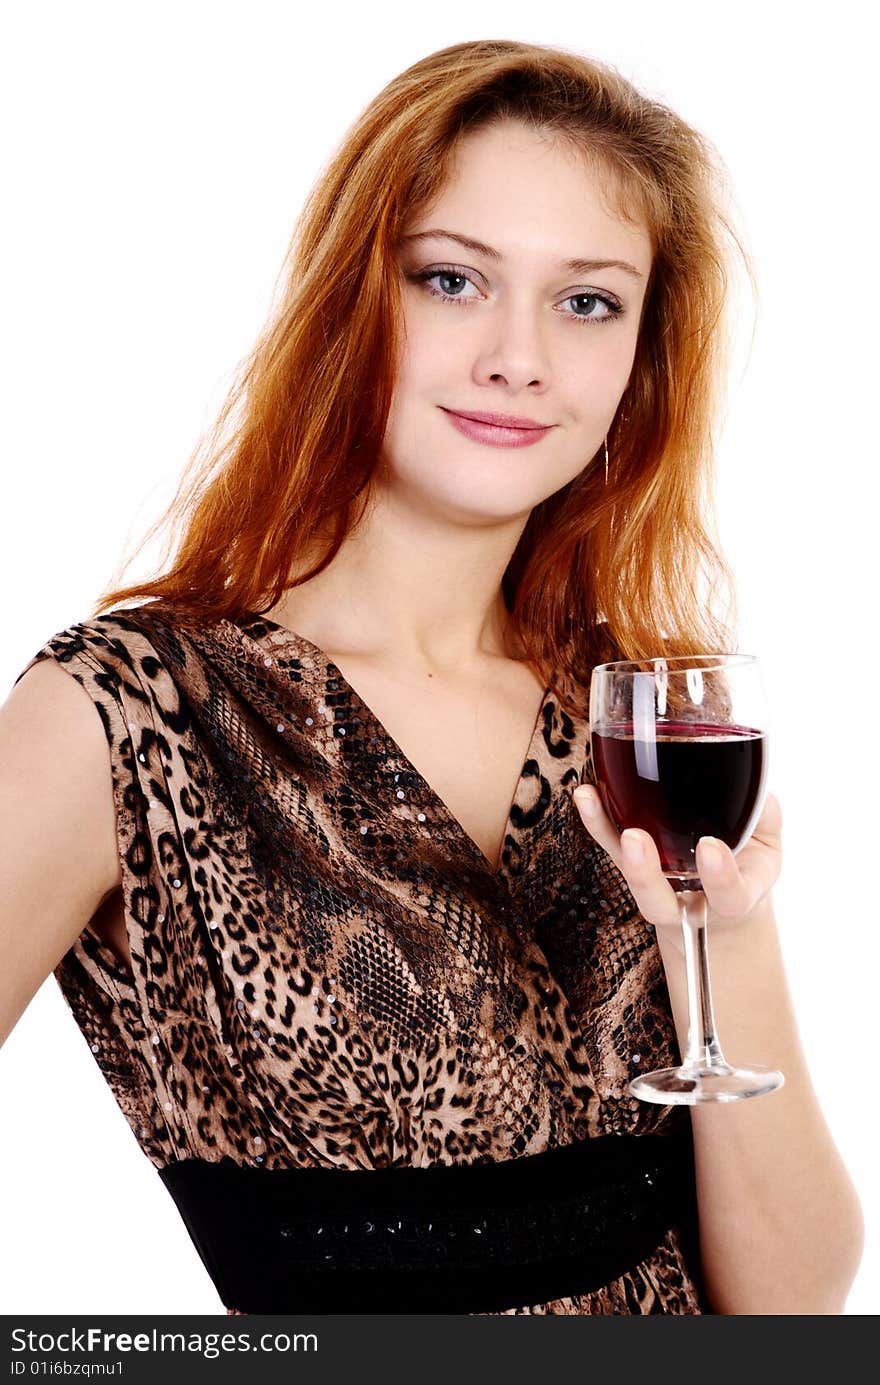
(696, 780)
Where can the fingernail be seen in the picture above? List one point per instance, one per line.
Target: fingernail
(710, 853)
(632, 846)
(587, 803)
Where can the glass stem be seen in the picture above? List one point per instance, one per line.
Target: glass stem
(703, 1048)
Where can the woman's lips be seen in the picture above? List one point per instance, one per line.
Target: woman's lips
(494, 435)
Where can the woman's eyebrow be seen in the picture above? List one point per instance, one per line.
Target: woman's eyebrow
(575, 266)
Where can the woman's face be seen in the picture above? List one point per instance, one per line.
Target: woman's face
(511, 328)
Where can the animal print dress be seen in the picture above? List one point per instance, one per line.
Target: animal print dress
(295, 892)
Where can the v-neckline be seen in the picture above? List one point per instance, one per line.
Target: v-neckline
(495, 872)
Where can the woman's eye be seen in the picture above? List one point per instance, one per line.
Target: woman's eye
(450, 277)
(608, 308)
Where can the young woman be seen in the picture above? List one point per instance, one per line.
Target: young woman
(367, 978)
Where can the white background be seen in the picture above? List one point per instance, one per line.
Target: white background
(157, 158)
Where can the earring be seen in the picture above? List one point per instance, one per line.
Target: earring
(606, 459)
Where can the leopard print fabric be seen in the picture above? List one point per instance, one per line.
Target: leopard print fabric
(326, 971)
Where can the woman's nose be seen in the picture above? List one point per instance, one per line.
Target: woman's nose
(513, 344)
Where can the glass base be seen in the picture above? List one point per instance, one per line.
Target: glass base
(691, 1086)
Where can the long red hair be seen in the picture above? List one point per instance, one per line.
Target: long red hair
(624, 570)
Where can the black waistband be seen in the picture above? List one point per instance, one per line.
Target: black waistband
(474, 1238)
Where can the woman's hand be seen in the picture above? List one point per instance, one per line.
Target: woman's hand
(734, 885)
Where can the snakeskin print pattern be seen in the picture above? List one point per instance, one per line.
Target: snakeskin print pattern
(326, 971)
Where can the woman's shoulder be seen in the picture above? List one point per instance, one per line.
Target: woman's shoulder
(116, 641)
(122, 659)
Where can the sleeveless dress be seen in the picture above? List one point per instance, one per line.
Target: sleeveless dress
(327, 972)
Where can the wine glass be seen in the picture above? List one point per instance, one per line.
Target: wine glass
(679, 748)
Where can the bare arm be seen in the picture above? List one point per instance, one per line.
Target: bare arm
(58, 857)
(781, 1228)
(780, 1222)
